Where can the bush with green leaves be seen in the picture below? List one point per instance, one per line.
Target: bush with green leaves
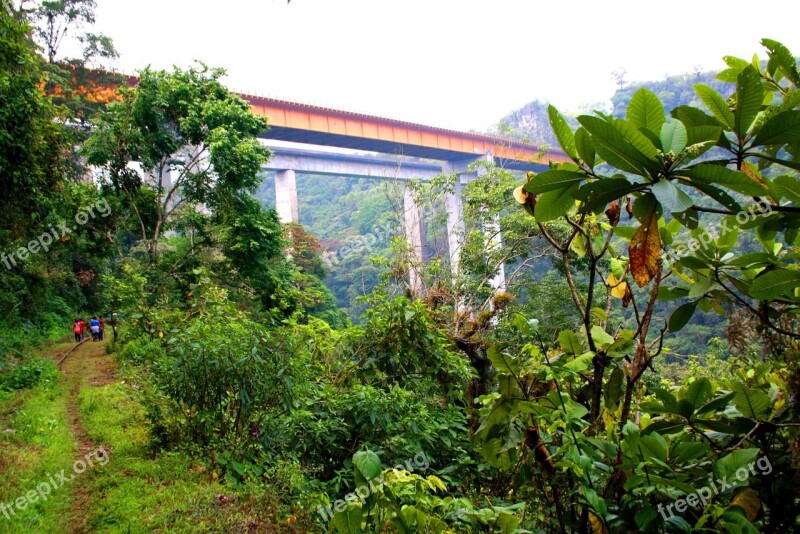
(28, 374)
(398, 500)
(572, 426)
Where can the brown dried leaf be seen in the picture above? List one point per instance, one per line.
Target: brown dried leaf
(629, 208)
(645, 250)
(613, 213)
(626, 300)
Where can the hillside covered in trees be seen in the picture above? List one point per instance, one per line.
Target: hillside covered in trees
(174, 359)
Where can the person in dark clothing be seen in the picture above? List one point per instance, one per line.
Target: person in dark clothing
(102, 327)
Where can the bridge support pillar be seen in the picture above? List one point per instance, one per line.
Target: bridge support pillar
(494, 240)
(286, 197)
(412, 223)
(455, 222)
(454, 206)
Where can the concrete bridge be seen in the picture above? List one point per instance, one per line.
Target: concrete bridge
(446, 152)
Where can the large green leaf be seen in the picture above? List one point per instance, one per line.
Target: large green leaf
(749, 97)
(727, 466)
(671, 197)
(348, 521)
(570, 343)
(686, 451)
(736, 66)
(585, 146)
(581, 363)
(502, 362)
(788, 187)
(692, 117)
(781, 128)
(596, 195)
(752, 403)
(645, 110)
(717, 194)
(673, 137)
(563, 133)
(784, 59)
(716, 105)
(697, 392)
(773, 284)
(716, 404)
(368, 464)
(681, 316)
(716, 174)
(643, 143)
(601, 338)
(554, 204)
(612, 146)
(700, 139)
(552, 181)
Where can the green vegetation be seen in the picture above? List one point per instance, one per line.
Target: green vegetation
(643, 351)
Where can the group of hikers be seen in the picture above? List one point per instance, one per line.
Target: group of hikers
(96, 327)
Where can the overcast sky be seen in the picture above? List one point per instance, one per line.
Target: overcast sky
(459, 64)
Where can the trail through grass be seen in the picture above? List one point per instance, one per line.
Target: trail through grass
(85, 436)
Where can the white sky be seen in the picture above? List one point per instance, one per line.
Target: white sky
(459, 64)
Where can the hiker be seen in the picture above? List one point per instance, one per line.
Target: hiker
(102, 327)
(76, 329)
(83, 327)
(94, 326)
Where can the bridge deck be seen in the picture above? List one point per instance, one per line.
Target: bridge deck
(302, 123)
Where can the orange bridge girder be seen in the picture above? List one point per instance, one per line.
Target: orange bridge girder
(303, 123)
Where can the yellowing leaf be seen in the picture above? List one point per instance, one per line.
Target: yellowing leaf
(596, 524)
(578, 245)
(520, 195)
(748, 501)
(645, 250)
(618, 289)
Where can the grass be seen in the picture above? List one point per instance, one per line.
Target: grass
(140, 488)
(38, 445)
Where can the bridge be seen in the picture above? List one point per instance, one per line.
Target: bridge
(443, 151)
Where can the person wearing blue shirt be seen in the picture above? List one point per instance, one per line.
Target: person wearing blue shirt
(94, 326)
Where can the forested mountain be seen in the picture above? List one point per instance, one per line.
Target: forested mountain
(531, 123)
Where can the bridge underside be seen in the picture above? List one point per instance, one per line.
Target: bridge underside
(297, 135)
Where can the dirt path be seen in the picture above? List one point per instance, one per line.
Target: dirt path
(88, 366)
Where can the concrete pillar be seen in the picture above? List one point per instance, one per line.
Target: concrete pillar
(491, 231)
(494, 241)
(286, 197)
(454, 206)
(412, 223)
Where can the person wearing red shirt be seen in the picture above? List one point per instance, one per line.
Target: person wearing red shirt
(82, 324)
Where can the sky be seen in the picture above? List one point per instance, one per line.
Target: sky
(459, 64)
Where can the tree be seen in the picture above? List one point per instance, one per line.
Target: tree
(195, 141)
(578, 405)
(31, 141)
(54, 20)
